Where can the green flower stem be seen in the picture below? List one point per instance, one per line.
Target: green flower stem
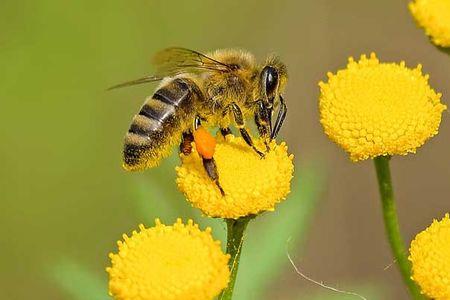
(392, 226)
(235, 239)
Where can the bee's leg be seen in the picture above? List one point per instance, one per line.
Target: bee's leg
(197, 122)
(280, 118)
(263, 120)
(211, 169)
(186, 142)
(225, 131)
(209, 163)
(239, 120)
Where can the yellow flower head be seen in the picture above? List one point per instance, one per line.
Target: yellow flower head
(251, 184)
(434, 16)
(430, 257)
(372, 109)
(178, 262)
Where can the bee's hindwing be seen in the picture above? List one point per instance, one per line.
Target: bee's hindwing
(159, 124)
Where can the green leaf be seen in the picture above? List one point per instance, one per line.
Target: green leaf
(264, 250)
(78, 281)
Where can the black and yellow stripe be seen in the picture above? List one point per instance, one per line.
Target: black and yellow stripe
(159, 124)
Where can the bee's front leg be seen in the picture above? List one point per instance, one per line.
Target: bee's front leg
(280, 118)
(263, 121)
(240, 124)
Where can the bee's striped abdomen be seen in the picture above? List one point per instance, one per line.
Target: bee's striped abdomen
(159, 124)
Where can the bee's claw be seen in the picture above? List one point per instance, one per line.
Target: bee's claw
(220, 188)
(211, 169)
(261, 154)
(267, 146)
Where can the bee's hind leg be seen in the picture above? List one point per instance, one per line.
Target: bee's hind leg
(211, 169)
(186, 142)
(208, 162)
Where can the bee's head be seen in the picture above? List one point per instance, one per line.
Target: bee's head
(272, 83)
(273, 80)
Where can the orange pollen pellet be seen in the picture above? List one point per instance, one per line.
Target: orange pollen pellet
(205, 143)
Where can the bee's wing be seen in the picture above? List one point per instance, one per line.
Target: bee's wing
(176, 60)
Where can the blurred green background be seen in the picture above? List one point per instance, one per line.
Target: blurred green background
(64, 199)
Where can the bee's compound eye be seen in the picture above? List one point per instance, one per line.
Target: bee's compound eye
(271, 75)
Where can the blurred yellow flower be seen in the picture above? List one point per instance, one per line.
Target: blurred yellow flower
(434, 17)
(178, 262)
(372, 109)
(430, 257)
(251, 184)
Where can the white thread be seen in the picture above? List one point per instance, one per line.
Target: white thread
(321, 284)
(390, 265)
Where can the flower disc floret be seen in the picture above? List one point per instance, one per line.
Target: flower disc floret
(251, 184)
(430, 257)
(178, 262)
(434, 17)
(372, 109)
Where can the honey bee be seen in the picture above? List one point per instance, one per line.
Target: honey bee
(219, 89)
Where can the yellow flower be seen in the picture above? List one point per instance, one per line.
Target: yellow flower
(178, 262)
(251, 184)
(372, 109)
(434, 17)
(430, 257)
